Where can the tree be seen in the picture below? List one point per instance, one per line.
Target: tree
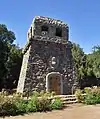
(79, 61)
(7, 38)
(13, 66)
(94, 61)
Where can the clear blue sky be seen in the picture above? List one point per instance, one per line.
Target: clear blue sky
(82, 16)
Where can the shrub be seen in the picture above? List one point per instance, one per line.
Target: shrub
(92, 96)
(32, 104)
(7, 107)
(44, 104)
(79, 95)
(56, 104)
(16, 104)
(41, 103)
(21, 106)
(87, 90)
(90, 99)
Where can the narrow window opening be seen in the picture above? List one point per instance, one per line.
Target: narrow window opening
(28, 35)
(44, 28)
(31, 31)
(59, 32)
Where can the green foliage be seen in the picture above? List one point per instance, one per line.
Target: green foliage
(7, 106)
(87, 90)
(16, 104)
(87, 65)
(94, 61)
(79, 95)
(44, 104)
(90, 99)
(10, 58)
(56, 104)
(79, 61)
(32, 105)
(21, 106)
(13, 67)
(92, 96)
(6, 40)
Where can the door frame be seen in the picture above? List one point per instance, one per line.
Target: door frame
(48, 78)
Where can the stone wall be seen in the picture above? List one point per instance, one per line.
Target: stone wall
(39, 66)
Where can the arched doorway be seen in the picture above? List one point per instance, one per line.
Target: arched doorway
(54, 83)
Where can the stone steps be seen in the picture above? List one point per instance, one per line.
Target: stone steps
(70, 102)
(69, 99)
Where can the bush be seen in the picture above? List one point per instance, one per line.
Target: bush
(90, 99)
(16, 104)
(21, 106)
(31, 107)
(32, 103)
(87, 90)
(79, 95)
(56, 104)
(40, 102)
(44, 104)
(92, 96)
(7, 107)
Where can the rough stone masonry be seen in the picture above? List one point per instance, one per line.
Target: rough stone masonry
(47, 62)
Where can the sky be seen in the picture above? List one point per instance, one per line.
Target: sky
(82, 17)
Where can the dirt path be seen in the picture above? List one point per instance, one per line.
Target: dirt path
(72, 112)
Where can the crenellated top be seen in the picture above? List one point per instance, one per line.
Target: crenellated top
(48, 27)
(47, 20)
(45, 29)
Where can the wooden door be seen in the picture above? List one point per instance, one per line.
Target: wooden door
(55, 84)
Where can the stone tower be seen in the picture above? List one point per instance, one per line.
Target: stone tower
(47, 62)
